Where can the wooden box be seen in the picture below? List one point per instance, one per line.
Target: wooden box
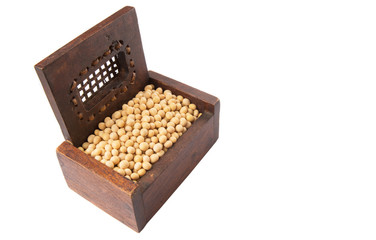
(90, 78)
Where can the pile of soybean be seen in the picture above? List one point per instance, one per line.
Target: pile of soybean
(134, 138)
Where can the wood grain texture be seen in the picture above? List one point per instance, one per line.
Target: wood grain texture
(100, 185)
(75, 61)
(177, 163)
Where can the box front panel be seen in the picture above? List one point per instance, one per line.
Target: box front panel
(101, 191)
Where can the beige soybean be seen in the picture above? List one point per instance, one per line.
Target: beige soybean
(122, 156)
(143, 132)
(116, 144)
(173, 139)
(170, 129)
(149, 152)
(85, 145)
(189, 117)
(163, 139)
(140, 139)
(141, 172)
(183, 122)
(179, 128)
(160, 153)
(124, 164)
(127, 171)
(137, 166)
(123, 149)
(157, 147)
(101, 125)
(135, 176)
(91, 138)
(131, 165)
(121, 171)
(114, 152)
(146, 165)
(168, 144)
(144, 146)
(131, 150)
(138, 158)
(154, 158)
(145, 158)
(124, 138)
(115, 160)
(109, 123)
(116, 114)
(138, 151)
(110, 164)
(129, 157)
(121, 132)
(128, 143)
(107, 155)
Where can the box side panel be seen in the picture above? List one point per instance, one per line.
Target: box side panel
(180, 160)
(101, 191)
(203, 100)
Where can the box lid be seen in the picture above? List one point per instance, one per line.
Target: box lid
(93, 75)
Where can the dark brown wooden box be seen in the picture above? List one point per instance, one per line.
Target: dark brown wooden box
(74, 79)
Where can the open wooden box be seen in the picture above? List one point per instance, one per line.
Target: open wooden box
(90, 78)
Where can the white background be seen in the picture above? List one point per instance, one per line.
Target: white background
(296, 154)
